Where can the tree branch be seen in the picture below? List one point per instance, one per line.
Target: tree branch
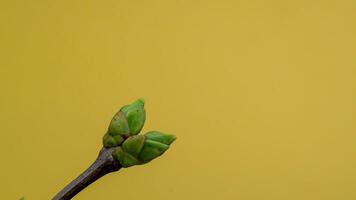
(104, 164)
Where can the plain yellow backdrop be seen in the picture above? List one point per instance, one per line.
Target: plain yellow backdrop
(261, 95)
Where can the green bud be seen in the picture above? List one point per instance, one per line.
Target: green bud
(151, 149)
(127, 122)
(135, 115)
(141, 149)
(129, 148)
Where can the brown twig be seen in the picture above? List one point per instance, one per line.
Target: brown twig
(104, 164)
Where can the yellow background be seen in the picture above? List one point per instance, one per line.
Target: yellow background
(261, 94)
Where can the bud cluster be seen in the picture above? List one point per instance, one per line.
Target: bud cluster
(129, 147)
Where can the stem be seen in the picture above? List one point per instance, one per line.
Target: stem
(104, 164)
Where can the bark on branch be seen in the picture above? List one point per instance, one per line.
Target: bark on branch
(104, 164)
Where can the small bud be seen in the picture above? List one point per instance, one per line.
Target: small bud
(141, 149)
(151, 149)
(156, 144)
(135, 115)
(129, 148)
(127, 122)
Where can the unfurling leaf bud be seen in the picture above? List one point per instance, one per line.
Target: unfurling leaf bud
(141, 149)
(127, 122)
